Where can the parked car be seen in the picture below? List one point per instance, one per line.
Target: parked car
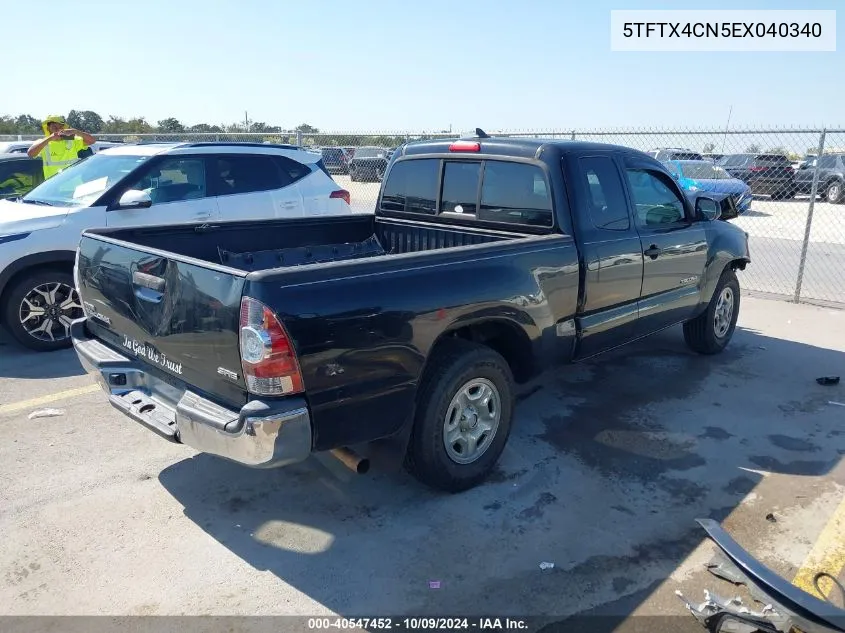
(19, 174)
(674, 153)
(404, 333)
(335, 159)
(141, 185)
(15, 147)
(21, 147)
(831, 182)
(702, 175)
(368, 164)
(712, 157)
(766, 174)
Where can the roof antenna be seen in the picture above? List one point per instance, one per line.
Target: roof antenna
(481, 133)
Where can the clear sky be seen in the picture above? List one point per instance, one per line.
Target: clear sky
(374, 65)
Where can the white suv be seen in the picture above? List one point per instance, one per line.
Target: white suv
(141, 185)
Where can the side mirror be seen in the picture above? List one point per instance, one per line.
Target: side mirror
(708, 209)
(135, 199)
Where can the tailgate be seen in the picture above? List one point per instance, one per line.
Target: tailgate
(176, 315)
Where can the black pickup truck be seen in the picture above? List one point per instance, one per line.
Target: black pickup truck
(400, 336)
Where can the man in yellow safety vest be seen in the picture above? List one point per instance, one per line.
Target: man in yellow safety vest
(60, 146)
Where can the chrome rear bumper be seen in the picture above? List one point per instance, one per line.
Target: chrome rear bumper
(259, 435)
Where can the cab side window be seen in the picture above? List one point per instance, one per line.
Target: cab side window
(606, 203)
(656, 203)
(515, 193)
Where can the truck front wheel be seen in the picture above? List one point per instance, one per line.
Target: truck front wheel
(463, 417)
(710, 332)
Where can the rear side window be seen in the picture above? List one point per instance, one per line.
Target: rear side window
(606, 198)
(292, 170)
(515, 193)
(243, 173)
(412, 186)
(460, 187)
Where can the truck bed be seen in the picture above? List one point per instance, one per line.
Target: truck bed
(250, 247)
(174, 293)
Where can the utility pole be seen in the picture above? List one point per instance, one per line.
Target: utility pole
(246, 122)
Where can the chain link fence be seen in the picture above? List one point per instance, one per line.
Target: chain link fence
(795, 178)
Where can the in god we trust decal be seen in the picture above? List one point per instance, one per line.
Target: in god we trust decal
(142, 350)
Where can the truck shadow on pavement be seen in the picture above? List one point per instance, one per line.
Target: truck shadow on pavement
(18, 362)
(608, 465)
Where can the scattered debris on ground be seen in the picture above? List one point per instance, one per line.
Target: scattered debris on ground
(46, 413)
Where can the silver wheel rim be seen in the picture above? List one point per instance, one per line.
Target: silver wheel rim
(472, 420)
(47, 311)
(724, 312)
(833, 192)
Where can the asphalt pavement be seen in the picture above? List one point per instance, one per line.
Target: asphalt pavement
(609, 464)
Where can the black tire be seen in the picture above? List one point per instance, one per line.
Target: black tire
(834, 192)
(14, 310)
(456, 365)
(353, 174)
(703, 334)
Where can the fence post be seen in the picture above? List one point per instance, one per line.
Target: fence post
(572, 138)
(808, 227)
(299, 138)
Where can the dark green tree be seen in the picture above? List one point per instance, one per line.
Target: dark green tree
(170, 126)
(206, 128)
(27, 124)
(86, 120)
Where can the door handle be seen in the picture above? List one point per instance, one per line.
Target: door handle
(202, 214)
(148, 287)
(652, 251)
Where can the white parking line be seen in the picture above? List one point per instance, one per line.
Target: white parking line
(14, 407)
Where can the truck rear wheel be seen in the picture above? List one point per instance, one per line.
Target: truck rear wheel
(39, 309)
(710, 332)
(463, 418)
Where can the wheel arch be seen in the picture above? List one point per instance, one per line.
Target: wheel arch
(62, 260)
(504, 336)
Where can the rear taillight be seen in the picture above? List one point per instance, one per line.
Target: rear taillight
(343, 194)
(758, 169)
(465, 146)
(267, 355)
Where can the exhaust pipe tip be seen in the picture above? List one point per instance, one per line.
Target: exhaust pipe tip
(353, 461)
